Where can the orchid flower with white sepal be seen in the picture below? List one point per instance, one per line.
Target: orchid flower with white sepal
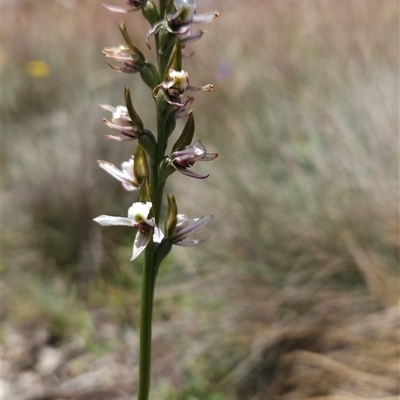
(138, 218)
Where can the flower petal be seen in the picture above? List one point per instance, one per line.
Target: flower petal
(108, 220)
(117, 9)
(191, 242)
(158, 236)
(122, 176)
(209, 157)
(189, 153)
(128, 187)
(180, 30)
(122, 138)
(207, 88)
(187, 172)
(108, 107)
(187, 226)
(129, 68)
(205, 18)
(125, 128)
(140, 243)
(191, 37)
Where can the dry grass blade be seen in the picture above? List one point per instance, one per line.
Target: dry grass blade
(340, 397)
(358, 377)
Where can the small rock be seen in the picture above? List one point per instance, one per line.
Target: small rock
(49, 359)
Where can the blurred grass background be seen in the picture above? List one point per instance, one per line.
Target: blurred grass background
(295, 294)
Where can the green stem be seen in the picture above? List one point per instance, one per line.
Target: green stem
(157, 185)
(146, 313)
(149, 270)
(162, 8)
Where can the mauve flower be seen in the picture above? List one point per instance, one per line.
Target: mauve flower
(185, 226)
(175, 86)
(122, 54)
(137, 218)
(179, 20)
(121, 122)
(182, 160)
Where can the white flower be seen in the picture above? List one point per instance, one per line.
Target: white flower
(185, 226)
(137, 218)
(124, 175)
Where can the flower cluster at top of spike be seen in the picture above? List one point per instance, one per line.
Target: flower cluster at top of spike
(171, 26)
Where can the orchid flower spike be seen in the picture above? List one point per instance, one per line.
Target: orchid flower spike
(182, 160)
(133, 5)
(125, 175)
(186, 226)
(122, 54)
(121, 122)
(138, 218)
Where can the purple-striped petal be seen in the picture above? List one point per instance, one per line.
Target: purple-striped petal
(140, 243)
(108, 220)
(121, 138)
(191, 242)
(124, 177)
(188, 172)
(205, 18)
(117, 9)
(187, 226)
(158, 236)
(192, 37)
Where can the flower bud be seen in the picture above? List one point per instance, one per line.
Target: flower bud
(170, 125)
(140, 166)
(175, 59)
(145, 193)
(131, 110)
(129, 43)
(161, 102)
(167, 40)
(150, 12)
(148, 142)
(186, 136)
(149, 75)
(170, 223)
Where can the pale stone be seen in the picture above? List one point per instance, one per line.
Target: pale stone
(49, 359)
